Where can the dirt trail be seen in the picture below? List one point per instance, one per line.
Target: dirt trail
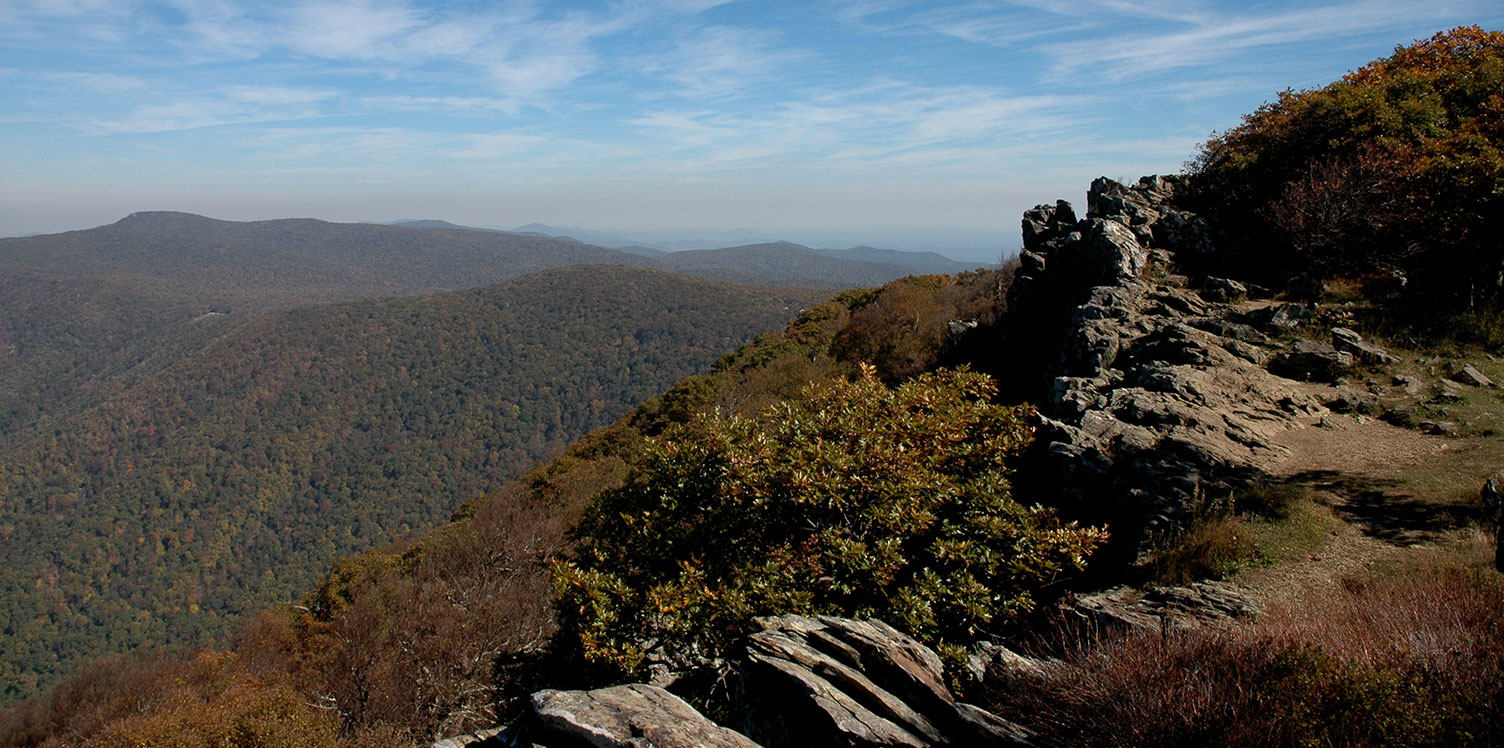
(1355, 467)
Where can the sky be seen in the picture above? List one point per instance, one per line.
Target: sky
(911, 125)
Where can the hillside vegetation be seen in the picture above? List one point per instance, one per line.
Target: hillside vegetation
(845, 464)
(1393, 175)
(232, 476)
(434, 635)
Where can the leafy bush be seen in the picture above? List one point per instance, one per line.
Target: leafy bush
(855, 499)
(1396, 169)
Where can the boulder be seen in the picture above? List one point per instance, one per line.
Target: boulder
(490, 738)
(1184, 232)
(1469, 375)
(1222, 290)
(1309, 360)
(1448, 391)
(1151, 397)
(1280, 318)
(990, 661)
(1353, 400)
(838, 682)
(1128, 608)
(630, 716)
(1043, 224)
(958, 328)
(1409, 385)
(1347, 340)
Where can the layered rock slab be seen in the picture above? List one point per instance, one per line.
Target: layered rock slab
(630, 716)
(828, 681)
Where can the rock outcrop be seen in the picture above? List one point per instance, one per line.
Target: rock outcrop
(1127, 608)
(803, 682)
(809, 682)
(1152, 397)
(1158, 395)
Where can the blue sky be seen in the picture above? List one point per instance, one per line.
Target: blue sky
(874, 120)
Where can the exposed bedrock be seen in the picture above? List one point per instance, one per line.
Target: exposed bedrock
(1153, 397)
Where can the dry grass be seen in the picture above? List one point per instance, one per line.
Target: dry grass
(1409, 661)
(1266, 525)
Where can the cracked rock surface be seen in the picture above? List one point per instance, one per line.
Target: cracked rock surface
(1152, 397)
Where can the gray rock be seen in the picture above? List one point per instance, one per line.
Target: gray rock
(1448, 391)
(1409, 385)
(960, 327)
(1151, 397)
(1184, 232)
(1047, 223)
(1124, 607)
(1471, 376)
(1112, 251)
(990, 661)
(1248, 352)
(1347, 340)
(631, 716)
(1279, 318)
(833, 681)
(1091, 348)
(626, 717)
(1309, 360)
(1351, 400)
(1222, 290)
(1031, 263)
(478, 739)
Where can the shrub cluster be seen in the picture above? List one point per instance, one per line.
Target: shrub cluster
(1395, 171)
(856, 499)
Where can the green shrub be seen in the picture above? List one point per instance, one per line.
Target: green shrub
(855, 499)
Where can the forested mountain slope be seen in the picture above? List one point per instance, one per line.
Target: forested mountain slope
(233, 476)
(85, 313)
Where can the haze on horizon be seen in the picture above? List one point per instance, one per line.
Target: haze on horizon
(871, 120)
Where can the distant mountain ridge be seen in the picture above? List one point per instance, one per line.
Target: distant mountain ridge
(946, 243)
(784, 260)
(88, 311)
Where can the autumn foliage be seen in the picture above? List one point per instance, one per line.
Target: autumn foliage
(1396, 170)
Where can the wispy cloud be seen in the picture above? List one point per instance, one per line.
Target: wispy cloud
(854, 97)
(97, 83)
(864, 125)
(227, 106)
(1204, 40)
(716, 61)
